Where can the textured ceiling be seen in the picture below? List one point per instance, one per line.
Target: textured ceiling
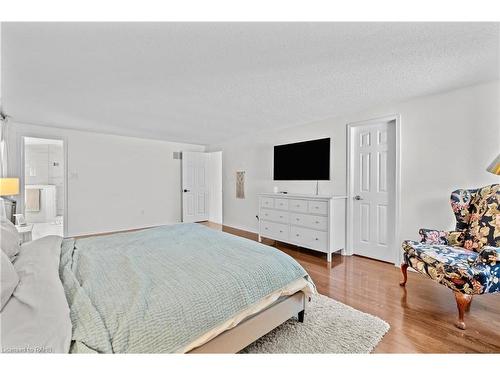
(207, 82)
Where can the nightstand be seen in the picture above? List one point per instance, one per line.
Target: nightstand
(25, 232)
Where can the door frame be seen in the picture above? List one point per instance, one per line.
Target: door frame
(396, 119)
(22, 168)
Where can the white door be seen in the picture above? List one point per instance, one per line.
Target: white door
(373, 192)
(195, 187)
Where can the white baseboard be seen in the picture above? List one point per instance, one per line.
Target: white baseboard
(241, 227)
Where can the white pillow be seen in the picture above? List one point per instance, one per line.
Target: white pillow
(9, 239)
(8, 279)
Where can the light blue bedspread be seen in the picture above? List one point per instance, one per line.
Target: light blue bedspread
(157, 290)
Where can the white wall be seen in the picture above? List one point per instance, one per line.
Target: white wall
(447, 140)
(215, 183)
(114, 182)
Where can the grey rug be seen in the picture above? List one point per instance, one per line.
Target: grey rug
(329, 327)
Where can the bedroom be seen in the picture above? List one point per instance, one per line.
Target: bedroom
(251, 187)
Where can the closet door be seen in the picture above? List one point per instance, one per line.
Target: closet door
(195, 187)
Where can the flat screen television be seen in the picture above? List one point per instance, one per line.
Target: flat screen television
(308, 160)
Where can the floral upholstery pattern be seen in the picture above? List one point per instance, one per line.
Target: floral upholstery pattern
(466, 260)
(460, 201)
(459, 269)
(436, 237)
(433, 237)
(484, 220)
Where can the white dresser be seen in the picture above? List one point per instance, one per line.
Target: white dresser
(311, 221)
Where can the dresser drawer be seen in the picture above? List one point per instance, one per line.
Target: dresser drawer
(275, 215)
(309, 238)
(275, 230)
(298, 205)
(317, 207)
(310, 221)
(281, 204)
(267, 202)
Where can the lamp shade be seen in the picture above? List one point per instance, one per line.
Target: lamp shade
(9, 186)
(494, 167)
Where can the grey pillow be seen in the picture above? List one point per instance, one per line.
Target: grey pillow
(8, 278)
(9, 239)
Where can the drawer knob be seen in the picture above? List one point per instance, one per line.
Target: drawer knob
(317, 222)
(281, 217)
(266, 228)
(298, 235)
(316, 207)
(281, 231)
(316, 239)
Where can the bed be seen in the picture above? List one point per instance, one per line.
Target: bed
(182, 288)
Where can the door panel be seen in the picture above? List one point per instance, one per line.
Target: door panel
(373, 164)
(382, 224)
(364, 217)
(195, 189)
(382, 171)
(364, 170)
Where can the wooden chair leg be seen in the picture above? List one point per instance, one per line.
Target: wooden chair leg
(404, 271)
(467, 309)
(463, 303)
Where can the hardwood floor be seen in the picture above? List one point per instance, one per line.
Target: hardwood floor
(421, 315)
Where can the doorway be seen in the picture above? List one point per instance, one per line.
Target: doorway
(44, 187)
(373, 191)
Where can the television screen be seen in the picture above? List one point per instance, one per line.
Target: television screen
(303, 161)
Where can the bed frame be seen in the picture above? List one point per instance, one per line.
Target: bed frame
(256, 326)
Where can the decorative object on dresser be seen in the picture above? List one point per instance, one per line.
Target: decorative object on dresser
(8, 187)
(466, 260)
(304, 220)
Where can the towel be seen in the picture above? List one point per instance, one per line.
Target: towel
(33, 200)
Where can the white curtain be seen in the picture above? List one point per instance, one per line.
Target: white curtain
(3, 148)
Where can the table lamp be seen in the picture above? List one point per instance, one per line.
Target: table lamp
(9, 186)
(494, 167)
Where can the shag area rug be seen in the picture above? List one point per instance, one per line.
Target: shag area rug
(329, 327)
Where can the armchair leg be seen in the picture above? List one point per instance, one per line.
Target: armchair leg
(467, 309)
(463, 304)
(404, 271)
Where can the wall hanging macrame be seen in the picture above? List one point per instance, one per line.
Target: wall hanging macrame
(240, 185)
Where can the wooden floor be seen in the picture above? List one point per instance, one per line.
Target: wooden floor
(421, 316)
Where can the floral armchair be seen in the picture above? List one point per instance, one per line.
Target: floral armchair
(466, 260)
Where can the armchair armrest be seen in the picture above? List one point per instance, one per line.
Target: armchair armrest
(489, 255)
(439, 237)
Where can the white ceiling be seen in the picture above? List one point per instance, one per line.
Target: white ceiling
(207, 82)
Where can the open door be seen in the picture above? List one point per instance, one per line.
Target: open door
(195, 187)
